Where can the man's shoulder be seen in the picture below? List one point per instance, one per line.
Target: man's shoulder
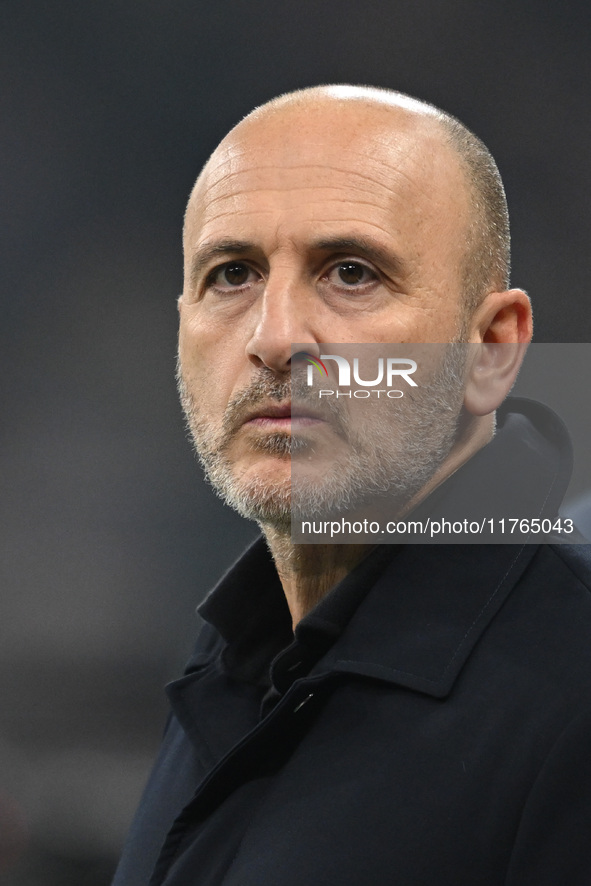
(557, 586)
(560, 576)
(549, 618)
(575, 560)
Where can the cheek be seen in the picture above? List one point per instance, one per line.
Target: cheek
(198, 366)
(202, 345)
(210, 372)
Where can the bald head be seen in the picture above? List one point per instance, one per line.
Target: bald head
(425, 131)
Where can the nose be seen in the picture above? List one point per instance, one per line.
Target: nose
(285, 318)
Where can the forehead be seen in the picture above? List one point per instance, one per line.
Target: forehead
(389, 172)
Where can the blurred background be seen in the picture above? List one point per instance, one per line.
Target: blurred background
(109, 539)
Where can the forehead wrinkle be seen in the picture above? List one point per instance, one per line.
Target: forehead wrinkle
(351, 190)
(248, 152)
(382, 170)
(392, 181)
(336, 199)
(231, 206)
(411, 132)
(278, 185)
(219, 207)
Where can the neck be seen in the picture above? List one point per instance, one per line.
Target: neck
(472, 435)
(309, 572)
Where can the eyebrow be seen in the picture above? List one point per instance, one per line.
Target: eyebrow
(209, 251)
(357, 244)
(368, 248)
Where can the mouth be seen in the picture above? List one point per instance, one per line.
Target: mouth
(282, 417)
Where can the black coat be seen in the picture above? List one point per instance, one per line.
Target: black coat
(435, 731)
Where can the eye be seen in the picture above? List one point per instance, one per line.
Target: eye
(232, 275)
(351, 274)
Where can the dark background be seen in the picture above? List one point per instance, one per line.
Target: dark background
(109, 537)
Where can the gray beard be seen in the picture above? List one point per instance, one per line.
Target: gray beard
(395, 454)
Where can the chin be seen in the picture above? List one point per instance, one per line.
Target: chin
(263, 502)
(260, 492)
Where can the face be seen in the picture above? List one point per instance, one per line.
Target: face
(343, 223)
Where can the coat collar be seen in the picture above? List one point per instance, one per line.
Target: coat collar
(408, 615)
(423, 617)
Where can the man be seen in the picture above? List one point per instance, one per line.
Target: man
(353, 714)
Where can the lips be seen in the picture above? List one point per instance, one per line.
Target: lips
(282, 415)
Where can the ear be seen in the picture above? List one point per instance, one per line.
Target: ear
(501, 330)
(503, 317)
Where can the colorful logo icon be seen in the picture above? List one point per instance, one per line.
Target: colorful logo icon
(314, 361)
